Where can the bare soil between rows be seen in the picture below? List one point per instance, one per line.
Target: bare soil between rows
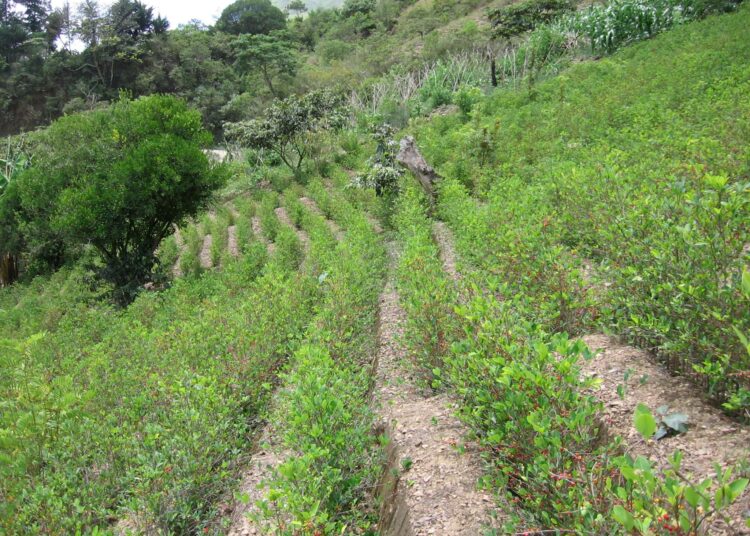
(435, 486)
(711, 437)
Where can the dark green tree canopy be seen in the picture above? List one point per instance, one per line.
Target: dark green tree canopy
(251, 17)
(352, 7)
(270, 56)
(131, 18)
(117, 179)
(296, 6)
(515, 19)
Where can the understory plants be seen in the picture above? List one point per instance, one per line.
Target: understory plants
(327, 485)
(517, 376)
(614, 198)
(138, 416)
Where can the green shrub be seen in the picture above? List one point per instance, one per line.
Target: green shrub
(141, 413)
(268, 220)
(117, 179)
(169, 253)
(427, 296)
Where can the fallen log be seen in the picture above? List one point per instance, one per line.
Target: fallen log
(410, 157)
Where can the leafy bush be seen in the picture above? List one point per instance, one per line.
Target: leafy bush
(290, 125)
(426, 294)
(140, 413)
(467, 97)
(328, 483)
(654, 248)
(116, 179)
(383, 171)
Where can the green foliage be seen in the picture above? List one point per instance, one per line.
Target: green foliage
(353, 7)
(118, 180)
(268, 220)
(383, 171)
(140, 414)
(654, 249)
(653, 503)
(426, 294)
(327, 484)
(329, 424)
(289, 252)
(467, 97)
(290, 126)
(13, 161)
(273, 55)
(622, 21)
(543, 260)
(251, 17)
(515, 19)
(605, 28)
(168, 253)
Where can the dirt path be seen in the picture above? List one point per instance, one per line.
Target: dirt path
(711, 436)
(205, 254)
(444, 238)
(332, 225)
(284, 218)
(232, 244)
(258, 232)
(252, 489)
(436, 493)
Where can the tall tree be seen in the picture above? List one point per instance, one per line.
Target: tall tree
(36, 13)
(251, 17)
(118, 179)
(297, 7)
(90, 22)
(271, 56)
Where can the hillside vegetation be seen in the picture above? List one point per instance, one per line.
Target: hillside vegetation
(171, 317)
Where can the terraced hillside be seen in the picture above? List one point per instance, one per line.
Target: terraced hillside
(554, 344)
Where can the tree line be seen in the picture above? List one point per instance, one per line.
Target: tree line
(62, 61)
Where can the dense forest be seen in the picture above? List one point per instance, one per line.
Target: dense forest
(386, 267)
(61, 62)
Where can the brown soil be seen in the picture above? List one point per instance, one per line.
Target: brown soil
(284, 218)
(232, 244)
(253, 488)
(205, 254)
(711, 436)
(439, 488)
(332, 225)
(258, 232)
(444, 238)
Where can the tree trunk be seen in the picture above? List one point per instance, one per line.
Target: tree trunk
(8, 269)
(493, 71)
(410, 157)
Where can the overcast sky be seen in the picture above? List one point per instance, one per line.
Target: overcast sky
(176, 11)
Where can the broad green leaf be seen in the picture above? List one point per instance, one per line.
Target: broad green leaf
(623, 517)
(746, 282)
(644, 422)
(737, 487)
(692, 497)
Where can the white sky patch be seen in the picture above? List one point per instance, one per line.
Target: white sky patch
(176, 11)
